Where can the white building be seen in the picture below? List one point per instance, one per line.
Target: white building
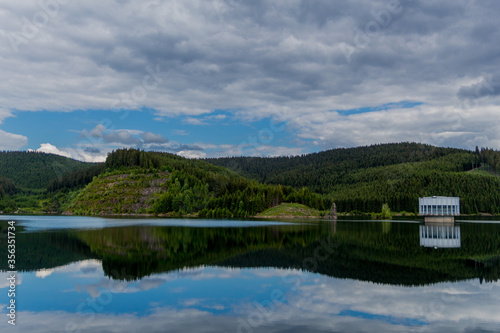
(439, 206)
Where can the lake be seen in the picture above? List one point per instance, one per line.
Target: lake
(86, 274)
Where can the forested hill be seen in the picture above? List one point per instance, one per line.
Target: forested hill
(33, 170)
(322, 171)
(7, 187)
(362, 179)
(356, 179)
(136, 181)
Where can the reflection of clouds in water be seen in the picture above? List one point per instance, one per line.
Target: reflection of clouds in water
(206, 273)
(86, 267)
(4, 283)
(202, 303)
(87, 270)
(329, 304)
(193, 320)
(269, 272)
(178, 290)
(443, 303)
(43, 273)
(120, 287)
(154, 281)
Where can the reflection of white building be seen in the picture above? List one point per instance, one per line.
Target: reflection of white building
(440, 236)
(439, 209)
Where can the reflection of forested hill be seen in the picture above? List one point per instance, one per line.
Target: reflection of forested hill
(143, 251)
(340, 265)
(42, 249)
(378, 252)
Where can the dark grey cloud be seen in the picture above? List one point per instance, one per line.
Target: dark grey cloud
(175, 148)
(121, 137)
(148, 137)
(92, 150)
(101, 134)
(489, 85)
(258, 57)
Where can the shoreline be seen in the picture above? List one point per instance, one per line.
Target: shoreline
(266, 217)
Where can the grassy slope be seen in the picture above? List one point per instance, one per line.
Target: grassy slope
(291, 210)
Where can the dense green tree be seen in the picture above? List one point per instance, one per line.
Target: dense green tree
(34, 170)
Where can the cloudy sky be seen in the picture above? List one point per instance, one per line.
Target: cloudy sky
(204, 78)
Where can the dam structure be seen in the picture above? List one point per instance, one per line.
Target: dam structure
(439, 210)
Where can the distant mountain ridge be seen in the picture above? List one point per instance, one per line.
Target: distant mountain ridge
(34, 170)
(358, 180)
(320, 171)
(362, 179)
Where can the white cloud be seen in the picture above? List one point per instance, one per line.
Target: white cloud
(51, 149)
(83, 153)
(43, 273)
(443, 126)
(9, 141)
(192, 154)
(4, 113)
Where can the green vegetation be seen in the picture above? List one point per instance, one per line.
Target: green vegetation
(35, 183)
(120, 193)
(363, 179)
(359, 180)
(174, 186)
(291, 210)
(385, 214)
(321, 172)
(32, 170)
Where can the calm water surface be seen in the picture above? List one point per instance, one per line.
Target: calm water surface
(82, 274)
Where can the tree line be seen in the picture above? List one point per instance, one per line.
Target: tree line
(197, 187)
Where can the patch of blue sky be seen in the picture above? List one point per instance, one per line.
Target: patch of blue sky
(383, 107)
(63, 129)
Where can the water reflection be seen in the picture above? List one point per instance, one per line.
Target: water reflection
(388, 253)
(315, 277)
(439, 236)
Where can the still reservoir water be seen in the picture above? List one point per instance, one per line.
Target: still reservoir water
(83, 274)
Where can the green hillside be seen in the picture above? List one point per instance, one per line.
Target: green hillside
(32, 182)
(324, 170)
(362, 179)
(7, 187)
(161, 183)
(290, 210)
(32, 170)
(358, 180)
